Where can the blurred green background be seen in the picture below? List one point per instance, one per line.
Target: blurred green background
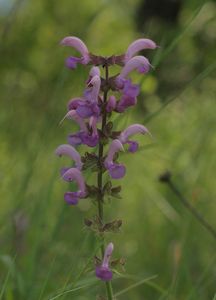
(44, 249)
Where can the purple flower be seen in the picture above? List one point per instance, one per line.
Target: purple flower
(130, 92)
(76, 43)
(103, 271)
(131, 130)
(93, 72)
(90, 136)
(137, 46)
(130, 89)
(92, 92)
(111, 104)
(116, 171)
(125, 102)
(87, 135)
(74, 174)
(139, 63)
(72, 114)
(86, 109)
(70, 151)
(76, 138)
(74, 103)
(88, 105)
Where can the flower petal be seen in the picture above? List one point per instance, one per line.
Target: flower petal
(71, 62)
(125, 102)
(133, 146)
(137, 46)
(131, 130)
(95, 89)
(94, 71)
(71, 198)
(75, 139)
(104, 274)
(76, 175)
(111, 104)
(77, 44)
(115, 146)
(74, 103)
(139, 63)
(70, 151)
(117, 171)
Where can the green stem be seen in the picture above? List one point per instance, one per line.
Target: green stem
(108, 284)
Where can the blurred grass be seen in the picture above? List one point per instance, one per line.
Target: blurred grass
(158, 236)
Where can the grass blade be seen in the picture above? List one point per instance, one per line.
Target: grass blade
(194, 81)
(70, 291)
(132, 286)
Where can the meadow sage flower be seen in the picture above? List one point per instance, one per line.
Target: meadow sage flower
(115, 170)
(76, 43)
(137, 46)
(74, 174)
(131, 130)
(111, 104)
(70, 151)
(87, 106)
(103, 271)
(92, 112)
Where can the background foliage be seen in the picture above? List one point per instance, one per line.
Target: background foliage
(44, 248)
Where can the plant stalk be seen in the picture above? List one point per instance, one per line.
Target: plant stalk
(108, 284)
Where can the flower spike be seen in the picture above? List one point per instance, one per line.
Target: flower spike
(103, 271)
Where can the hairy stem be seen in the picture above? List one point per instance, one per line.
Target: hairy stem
(100, 179)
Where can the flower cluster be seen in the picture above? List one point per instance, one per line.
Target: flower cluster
(92, 111)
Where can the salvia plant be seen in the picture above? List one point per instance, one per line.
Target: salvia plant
(103, 97)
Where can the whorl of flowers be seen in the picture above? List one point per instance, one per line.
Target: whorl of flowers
(92, 112)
